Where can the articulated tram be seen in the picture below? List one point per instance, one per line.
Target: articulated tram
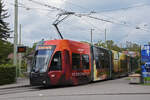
(67, 62)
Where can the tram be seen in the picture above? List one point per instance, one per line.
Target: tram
(67, 62)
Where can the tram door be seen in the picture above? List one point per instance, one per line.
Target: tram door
(101, 64)
(115, 60)
(55, 69)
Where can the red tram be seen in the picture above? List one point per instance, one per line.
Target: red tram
(64, 62)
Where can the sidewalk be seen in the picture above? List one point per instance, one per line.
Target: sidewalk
(21, 82)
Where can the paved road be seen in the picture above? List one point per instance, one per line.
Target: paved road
(112, 90)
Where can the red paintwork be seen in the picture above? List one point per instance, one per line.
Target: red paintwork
(67, 75)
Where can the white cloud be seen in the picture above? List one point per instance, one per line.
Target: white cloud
(37, 23)
(136, 17)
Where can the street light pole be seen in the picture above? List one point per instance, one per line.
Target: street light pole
(105, 38)
(20, 55)
(105, 35)
(92, 36)
(15, 34)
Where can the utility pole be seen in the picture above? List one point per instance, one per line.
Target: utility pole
(15, 34)
(92, 36)
(105, 35)
(20, 54)
(105, 38)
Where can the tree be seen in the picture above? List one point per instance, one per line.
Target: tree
(134, 47)
(4, 29)
(101, 44)
(110, 44)
(5, 49)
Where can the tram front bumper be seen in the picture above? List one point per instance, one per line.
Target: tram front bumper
(39, 79)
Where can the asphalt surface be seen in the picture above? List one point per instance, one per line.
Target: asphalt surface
(118, 89)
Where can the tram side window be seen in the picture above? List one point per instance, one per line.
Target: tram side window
(56, 63)
(98, 64)
(102, 59)
(99, 60)
(75, 61)
(106, 60)
(97, 56)
(85, 61)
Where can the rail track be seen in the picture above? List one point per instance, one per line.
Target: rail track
(20, 89)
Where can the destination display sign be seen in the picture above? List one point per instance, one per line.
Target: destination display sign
(21, 49)
(44, 47)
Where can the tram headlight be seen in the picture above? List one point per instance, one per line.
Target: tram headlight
(44, 82)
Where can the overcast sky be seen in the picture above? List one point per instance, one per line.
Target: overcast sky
(36, 20)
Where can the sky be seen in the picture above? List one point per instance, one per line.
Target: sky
(132, 24)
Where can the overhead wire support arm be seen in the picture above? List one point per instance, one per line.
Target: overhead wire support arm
(58, 20)
(66, 14)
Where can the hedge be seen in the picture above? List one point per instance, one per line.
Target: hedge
(147, 78)
(7, 74)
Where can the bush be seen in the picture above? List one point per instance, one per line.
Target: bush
(138, 71)
(147, 78)
(7, 74)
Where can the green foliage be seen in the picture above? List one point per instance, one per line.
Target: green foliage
(4, 30)
(30, 50)
(7, 74)
(135, 63)
(101, 44)
(5, 49)
(147, 78)
(112, 46)
(133, 46)
(138, 71)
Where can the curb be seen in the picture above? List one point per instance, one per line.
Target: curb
(16, 87)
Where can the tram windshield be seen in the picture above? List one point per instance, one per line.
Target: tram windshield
(41, 59)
